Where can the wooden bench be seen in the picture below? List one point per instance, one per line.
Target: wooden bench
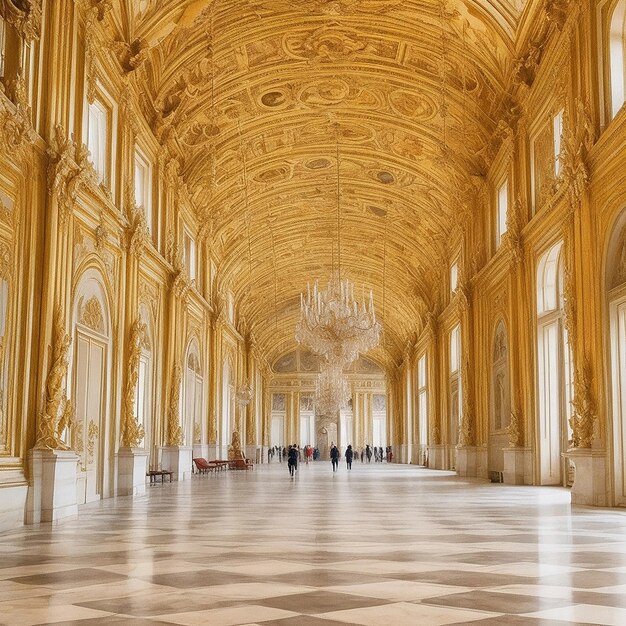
(154, 474)
(221, 465)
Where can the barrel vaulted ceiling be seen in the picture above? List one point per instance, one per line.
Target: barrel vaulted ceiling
(260, 97)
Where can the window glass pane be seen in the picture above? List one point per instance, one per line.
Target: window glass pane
(616, 57)
(2, 45)
(455, 350)
(97, 138)
(421, 372)
(140, 199)
(557, 127)
(454, 276)
(503, 205)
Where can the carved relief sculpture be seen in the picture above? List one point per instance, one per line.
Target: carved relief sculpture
(49, 424)
(132, 431)
(584, 418)
(174, 429)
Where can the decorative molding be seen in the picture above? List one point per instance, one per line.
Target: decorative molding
(92, 315)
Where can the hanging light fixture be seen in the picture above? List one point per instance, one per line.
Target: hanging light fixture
(333, 323)
(332, 391)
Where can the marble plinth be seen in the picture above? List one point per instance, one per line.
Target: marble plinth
(212, 452)
(200, 450)
(517, 466)
(436, 456)
(177, 459)
(466, 460)
(13, 492)
(131, 471)
(52, 488)
(590, 484)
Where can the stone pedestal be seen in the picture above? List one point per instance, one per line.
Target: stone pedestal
(466, 461)
(212, 452)
(131, 471)
(437, 457)
(590, 484)
(517, 466)
(52, 488)
(482, 462)
(177, 459)
(200, 451)
(14, 490)
(403, 454)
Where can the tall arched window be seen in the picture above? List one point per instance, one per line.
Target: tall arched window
(616, 289)
(454, 385)
(500, 380)
(554, 371)
(227, 403)
(617, 55)
(193, 396)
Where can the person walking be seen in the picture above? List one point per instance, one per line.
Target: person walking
(368, 453)
(292, 460)
(334, 457)
(349, 457)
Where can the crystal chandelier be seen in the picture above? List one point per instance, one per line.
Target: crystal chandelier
(332, 391)
(333, 324)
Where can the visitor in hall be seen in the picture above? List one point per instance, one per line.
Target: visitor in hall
(362, 454)
(349, 457)
(368, 453)
(334, 456)
(292, 460)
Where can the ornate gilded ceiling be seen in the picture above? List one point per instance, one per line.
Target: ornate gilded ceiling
(258, 97)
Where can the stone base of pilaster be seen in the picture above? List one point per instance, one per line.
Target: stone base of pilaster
(200, 451)
(52, 488)
(482, 462)
(590, 483)
(466, 460)
(177, 459)
(517, 466)
(213, 451)
(254, 453)
(131, 471)
(403, 453)
(437, 456)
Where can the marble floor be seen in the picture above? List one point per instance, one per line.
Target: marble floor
(383, 545)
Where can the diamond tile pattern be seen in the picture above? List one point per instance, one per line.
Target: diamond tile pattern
(379, 545)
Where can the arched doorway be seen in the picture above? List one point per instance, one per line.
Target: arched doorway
(554, 369)
(90, 375)
(144, 394)
(228, 405)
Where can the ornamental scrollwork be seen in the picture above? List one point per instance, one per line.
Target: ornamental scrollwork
(132, 431)
(51, 423)
(584, 407)
(24, 16)
(68, 171)
(174, 430)
(92, 315)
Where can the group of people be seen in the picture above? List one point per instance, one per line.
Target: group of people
(294, 454)
(365, 455)
(308, 452)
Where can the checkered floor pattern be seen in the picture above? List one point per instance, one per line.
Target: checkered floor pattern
(381, 545)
